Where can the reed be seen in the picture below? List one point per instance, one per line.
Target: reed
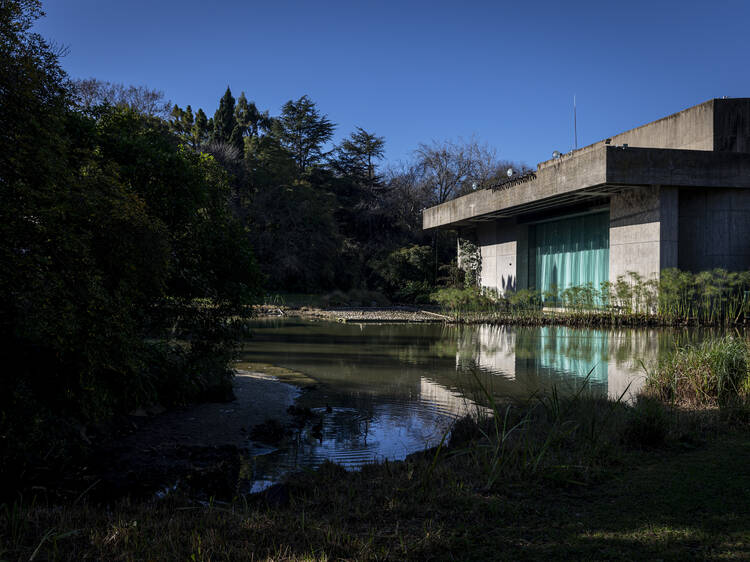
(713, 373)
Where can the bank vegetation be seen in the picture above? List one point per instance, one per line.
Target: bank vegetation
(677, 298)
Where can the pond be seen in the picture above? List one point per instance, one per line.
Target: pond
(388, 390)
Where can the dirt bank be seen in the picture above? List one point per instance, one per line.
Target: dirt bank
(197, 447)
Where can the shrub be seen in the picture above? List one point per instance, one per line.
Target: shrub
(464, 300)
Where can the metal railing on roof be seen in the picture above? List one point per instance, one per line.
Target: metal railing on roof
(513, 181)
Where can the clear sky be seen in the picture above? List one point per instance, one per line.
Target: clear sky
(416, 71)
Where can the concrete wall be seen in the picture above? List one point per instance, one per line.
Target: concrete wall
(732, 125)
(678, 168)
(714, 228)
(643, 231)
(504, 248)
(690, 129)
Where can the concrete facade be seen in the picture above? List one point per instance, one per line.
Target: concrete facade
(677, 190)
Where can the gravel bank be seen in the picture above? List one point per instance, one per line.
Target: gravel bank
(358, 314)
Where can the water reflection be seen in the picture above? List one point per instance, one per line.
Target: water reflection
(395, 388)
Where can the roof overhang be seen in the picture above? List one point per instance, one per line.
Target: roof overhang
(593, 173)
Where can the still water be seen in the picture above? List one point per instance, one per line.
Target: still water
(388, 390)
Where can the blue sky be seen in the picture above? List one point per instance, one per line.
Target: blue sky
(416, 71)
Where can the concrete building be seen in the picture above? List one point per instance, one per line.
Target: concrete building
(672, 193)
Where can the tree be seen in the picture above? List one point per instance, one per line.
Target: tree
(295, 236)
(201, 130)
(250, 121)
(450, 168)
(181, 123)
(303, 132)
(224, 120)
(92, 92)
(356, 156)
(110, 230)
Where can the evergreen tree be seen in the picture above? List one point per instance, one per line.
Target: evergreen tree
(181, 122)
(224, 120)
(201, 129)
(303, 131)
(356, 156)
(241, 117)
(188, 120)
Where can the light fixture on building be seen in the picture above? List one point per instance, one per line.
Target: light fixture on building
(510, 172)
(474, 185)
(556, 154)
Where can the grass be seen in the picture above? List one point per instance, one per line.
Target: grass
(713, 373)
(672, 505)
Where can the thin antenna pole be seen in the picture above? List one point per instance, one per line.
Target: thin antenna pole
(575, 122)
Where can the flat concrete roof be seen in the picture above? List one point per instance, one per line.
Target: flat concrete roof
(707, 145)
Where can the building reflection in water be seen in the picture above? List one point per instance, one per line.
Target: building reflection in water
(534, 359)
(445, 400)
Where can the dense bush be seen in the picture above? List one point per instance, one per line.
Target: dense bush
(466, 300)
(408, 274)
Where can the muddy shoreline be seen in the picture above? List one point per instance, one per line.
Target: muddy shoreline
(197, 448)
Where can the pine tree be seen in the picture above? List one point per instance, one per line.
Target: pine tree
(201, 129)
(175, 120)
(224, 120)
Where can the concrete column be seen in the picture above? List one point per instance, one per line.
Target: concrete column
(503, 247)
(669, 220)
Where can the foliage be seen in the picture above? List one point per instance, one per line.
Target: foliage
(714, 373)
(407, 272)
(709, 298)
(225, 122)
(356, 156)
(647, 425)
(456, 300)
(449, 169)
(303, 131)
(123, 265)
(91, 93)
(295, 235)
(470, 261)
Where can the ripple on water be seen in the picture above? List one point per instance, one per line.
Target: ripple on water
(349, 437)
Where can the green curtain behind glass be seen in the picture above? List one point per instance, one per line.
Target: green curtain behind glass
(571, 252)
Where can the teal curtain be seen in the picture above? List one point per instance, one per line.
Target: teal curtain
(570, 252)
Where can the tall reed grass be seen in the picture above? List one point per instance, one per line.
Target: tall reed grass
(567, 437)
(709, 298)
(713, 373)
